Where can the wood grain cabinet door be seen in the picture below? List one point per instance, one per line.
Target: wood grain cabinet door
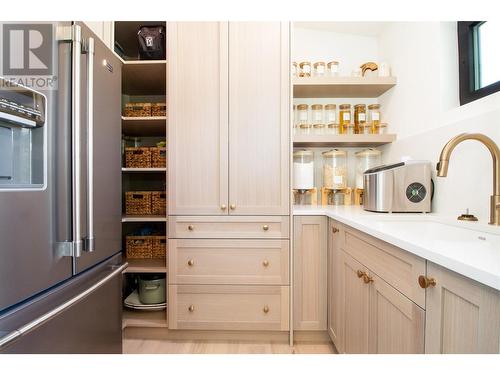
(335, 316)
(355, 299)
(197, 118)
(462, 316)
(259, 107)
(396, 322)
(310, 273)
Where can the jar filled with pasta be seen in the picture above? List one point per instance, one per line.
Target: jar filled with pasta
(345, 118)
(374, 117)
(359, 118)
(335, 169)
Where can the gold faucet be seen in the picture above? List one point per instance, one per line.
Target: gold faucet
(444, 159)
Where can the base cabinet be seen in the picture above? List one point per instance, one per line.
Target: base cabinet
(335, 318)
(463, 316)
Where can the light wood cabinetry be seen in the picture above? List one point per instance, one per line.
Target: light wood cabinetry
(198, 118)
(310, 273)
(259, 118)
(462, 315)
(335, 325)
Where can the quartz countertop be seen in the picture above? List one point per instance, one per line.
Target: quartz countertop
(471, 249)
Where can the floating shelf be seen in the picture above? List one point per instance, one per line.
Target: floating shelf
(344, 140)
(144, 79)
(144, 126)
(143, 62)
(143, 219)
(142, 318)
(341, 87)
(143, 170)
(146, 266)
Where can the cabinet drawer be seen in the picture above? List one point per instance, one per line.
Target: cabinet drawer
(397, 267)
(228, 227)
(202, 261)
(228, 307)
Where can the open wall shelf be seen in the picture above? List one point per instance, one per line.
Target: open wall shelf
(341, 87)
(344, 140)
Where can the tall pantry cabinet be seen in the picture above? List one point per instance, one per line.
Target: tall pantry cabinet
(229, 144)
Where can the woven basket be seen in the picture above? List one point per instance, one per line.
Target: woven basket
(138, 203)
(138, 157)
(158, 157)
(139, 247)
(137, 110)
(159, 203)
(158, 109)
(159, 247)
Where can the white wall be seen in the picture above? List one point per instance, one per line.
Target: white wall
(423, 109)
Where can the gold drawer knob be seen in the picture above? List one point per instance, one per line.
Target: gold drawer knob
(367, 279)
(426, 282)
(265, 227)
(191, 308)
(265, 263)
(265, 309)
(232, 207)
(335, 230)
(223, 207)
(191, 227)
(190, 262)
(361, 273)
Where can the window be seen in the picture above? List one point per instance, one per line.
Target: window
(479, 58)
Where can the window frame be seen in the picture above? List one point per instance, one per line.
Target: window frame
(468, 71)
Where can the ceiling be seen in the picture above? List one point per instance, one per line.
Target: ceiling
(356, 28)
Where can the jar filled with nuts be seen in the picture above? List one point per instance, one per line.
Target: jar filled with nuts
(335, 169)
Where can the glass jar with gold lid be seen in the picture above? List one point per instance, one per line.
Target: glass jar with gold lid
(319, 69)
(374, 117)
(335, 169)
(317, 114)
(302, 114)
(305, 69)
(345, 118)
(332, 68)
(330, 114)
(359, 118)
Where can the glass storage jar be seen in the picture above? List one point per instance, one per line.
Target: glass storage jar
(305, 129)
(330, 114)
(294, 69)
(332, 129)
(350, 129)
(317, 114)
(332, 68)
(319, 69)
(335, 169)
(319, 129)
(383, 128)
(359, 117)
(365, 160)
(302, 114)
(345, 118)
(305, 69)
(374, 117)
(303, 170)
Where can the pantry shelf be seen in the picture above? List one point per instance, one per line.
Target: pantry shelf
(146, 319)
(144, 126)
(144, 79)
(341, 87)
(143, 170)
(344, 140)
(146, 266)
(143, 219)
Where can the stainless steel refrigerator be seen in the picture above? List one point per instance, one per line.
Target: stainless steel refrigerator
(60, 199)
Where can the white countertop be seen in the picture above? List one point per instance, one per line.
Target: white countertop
(471, 249)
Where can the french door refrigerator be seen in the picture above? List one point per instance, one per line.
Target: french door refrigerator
(60, 197)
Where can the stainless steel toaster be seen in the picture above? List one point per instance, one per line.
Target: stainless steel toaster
(401, 187)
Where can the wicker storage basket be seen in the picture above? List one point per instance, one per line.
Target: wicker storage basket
(139, 247)
(158, 109)
(158, 157)
(137, 110)
(159, 203)
(159, 247)
(138, 203)
(138, 157)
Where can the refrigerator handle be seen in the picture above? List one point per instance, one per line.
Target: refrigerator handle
(11, 337)
(89, 244)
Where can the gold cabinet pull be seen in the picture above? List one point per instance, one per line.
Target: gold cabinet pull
(335, 230)
(265, 309)
(190, 227)
(190, 262)
(361, 273)
(426, 282)
(223, 207)
(265, 263)
(265, 227)
(191, 308)
(232, 207)
(367, 279)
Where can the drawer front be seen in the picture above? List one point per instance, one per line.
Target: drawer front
(397, 267)
(228, 307)
(228, 262)
(228, 227)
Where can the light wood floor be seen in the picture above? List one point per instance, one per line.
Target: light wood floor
(150, 346)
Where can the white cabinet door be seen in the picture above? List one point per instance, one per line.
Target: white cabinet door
(197, 118)
(259, 107)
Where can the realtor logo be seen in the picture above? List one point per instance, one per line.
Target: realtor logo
(27, 55)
